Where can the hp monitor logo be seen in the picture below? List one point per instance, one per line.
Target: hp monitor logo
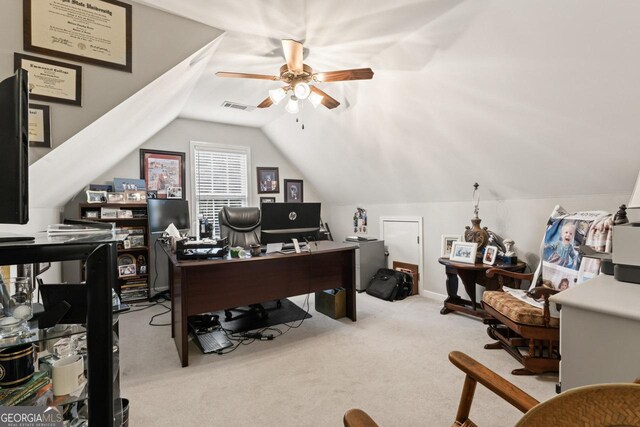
(293, 216)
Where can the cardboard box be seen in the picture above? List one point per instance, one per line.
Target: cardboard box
(332, 302)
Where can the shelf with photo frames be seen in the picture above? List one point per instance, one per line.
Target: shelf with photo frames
(134, 250)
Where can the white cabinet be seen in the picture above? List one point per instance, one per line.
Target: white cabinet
(599, 332)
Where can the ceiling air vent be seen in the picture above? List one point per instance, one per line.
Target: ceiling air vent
(229, 104)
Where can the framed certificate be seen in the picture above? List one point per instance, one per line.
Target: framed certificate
(51, 81)
(96, 32)
(39, 126)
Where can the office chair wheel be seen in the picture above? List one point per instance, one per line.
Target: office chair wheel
(278, 304)
(228, 315)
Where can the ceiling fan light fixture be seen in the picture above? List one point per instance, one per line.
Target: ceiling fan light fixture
(315, 99)
(277, 95)
(302, 90)
(292, 106)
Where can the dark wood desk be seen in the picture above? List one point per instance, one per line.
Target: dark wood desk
(470, 275)
(202, 286)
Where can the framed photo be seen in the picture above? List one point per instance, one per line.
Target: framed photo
(126, 244)
(125, 184)
(115, 198)
(96, 32)
(125, 213)
(51, 81)
(267, 200)
(127, 270)
(39, 126)
(135, 241)
(109, 213)
(174, 192)
(161, 170)
(135, 196)
(490, 255)
(96, 196)
(268, 180)
(152, 194)
(464, 252)
(92, 214)
(293, 190)
(447, 242)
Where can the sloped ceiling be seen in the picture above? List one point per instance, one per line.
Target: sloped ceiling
(532, 99)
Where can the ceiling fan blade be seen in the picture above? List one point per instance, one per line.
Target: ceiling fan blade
(266, 103)
(327, 101)
(246, 76)
(293, 54)
(337, 76)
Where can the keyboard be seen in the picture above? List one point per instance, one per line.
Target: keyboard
(213, 341)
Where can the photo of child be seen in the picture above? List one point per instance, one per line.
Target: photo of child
(562, 251)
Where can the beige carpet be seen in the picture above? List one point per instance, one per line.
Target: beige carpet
(392, 363)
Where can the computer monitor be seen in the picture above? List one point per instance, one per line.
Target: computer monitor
(14, 149)
(163, 212)
(282, 222)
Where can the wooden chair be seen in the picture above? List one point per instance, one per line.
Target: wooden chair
(528, 333)
(595, 405)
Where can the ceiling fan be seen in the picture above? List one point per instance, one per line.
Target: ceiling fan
(297, 78)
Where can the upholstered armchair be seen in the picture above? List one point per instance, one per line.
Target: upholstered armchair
(525, 324)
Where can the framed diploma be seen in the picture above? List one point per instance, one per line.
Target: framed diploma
(39, 126)
(51, 81)
(93, 31)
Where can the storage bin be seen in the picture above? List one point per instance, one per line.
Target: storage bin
(332, 302)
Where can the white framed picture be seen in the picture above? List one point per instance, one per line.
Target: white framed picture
(96, 196)
(490, 255)
(447, 242)
(127, 270)
(464, 252)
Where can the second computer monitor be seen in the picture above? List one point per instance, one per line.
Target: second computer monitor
(282, 222)
(163, 212)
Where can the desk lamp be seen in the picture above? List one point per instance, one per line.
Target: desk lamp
(476, 233)
(626, 244)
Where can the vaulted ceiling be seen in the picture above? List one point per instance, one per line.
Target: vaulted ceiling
(531, 98)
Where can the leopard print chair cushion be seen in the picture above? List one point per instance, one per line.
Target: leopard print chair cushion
(516, 310)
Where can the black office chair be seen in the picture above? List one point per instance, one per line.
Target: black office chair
(242, 227)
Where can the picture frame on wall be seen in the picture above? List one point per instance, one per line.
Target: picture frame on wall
(162, 170)
(447, 242)
(268, 180)
(267, 200)
(464, 252)
(97, 32)
(293, 191)
(39, 126)
(51, 81)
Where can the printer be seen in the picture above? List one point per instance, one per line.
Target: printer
(626, 244)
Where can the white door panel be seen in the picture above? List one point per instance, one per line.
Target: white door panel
(403, 239)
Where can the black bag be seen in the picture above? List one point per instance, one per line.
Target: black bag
(389, 285)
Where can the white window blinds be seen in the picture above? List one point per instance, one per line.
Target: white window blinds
(220, 180)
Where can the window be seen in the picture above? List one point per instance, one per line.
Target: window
(220, 179)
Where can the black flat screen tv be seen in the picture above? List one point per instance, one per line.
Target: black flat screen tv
(282, 222)
(163, 212)
(14, 149)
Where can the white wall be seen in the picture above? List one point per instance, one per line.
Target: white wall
(160, 40)
(522, 220)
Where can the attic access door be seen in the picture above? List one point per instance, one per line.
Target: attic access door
(403, 240)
